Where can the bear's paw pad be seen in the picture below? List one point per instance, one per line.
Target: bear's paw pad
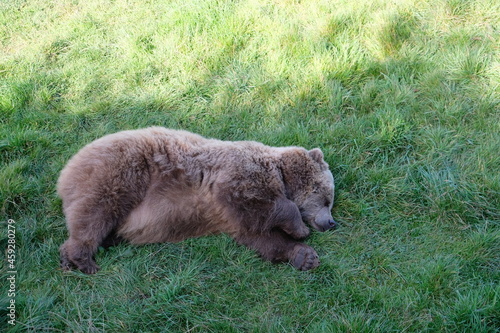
(304, 258)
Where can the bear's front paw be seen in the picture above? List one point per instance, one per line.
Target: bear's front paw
(304, 257)
(300, 233)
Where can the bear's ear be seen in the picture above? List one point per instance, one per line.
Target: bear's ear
(317, 155)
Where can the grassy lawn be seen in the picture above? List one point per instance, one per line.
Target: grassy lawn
(402, 96)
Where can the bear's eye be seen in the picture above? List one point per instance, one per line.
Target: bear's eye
(328, 202)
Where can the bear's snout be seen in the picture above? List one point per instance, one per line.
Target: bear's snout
(326, 224)
(323, 220)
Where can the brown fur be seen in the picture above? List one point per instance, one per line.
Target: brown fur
(160, 185)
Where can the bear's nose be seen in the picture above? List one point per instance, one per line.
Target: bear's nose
(332, 223)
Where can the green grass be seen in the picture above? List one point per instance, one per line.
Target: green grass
(403, 98)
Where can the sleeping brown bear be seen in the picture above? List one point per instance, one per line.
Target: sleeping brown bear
(161, 185)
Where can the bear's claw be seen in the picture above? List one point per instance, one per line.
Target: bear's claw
(90, 268)
(304, 257)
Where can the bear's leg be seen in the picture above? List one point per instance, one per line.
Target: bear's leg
(79, 254)
(286, 216)
(87, 232)
(297, 230)
(279, 247)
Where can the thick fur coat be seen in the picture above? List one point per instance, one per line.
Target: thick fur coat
(161, 185)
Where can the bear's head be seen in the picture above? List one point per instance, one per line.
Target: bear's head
(310, 185)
